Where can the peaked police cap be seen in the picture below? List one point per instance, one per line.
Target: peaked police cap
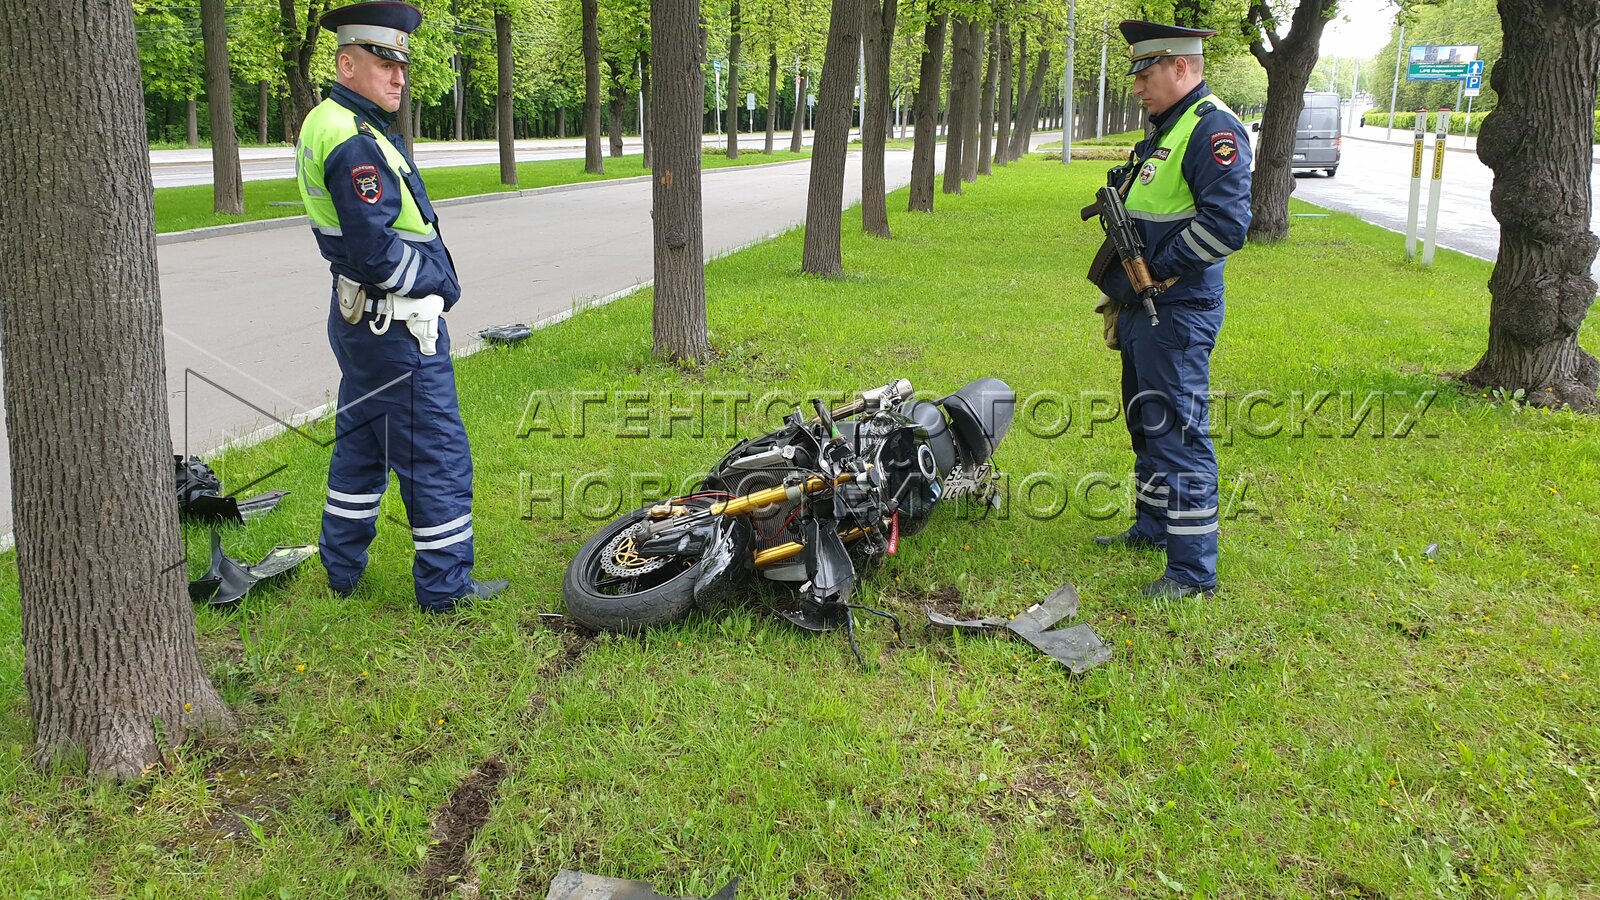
(1151, 42)
(381, 26)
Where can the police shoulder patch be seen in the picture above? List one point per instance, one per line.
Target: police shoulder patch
(1205, 107)
(1224, 147)
(367, 182)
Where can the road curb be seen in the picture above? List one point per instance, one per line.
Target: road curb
(213, 231)
(1595, 159)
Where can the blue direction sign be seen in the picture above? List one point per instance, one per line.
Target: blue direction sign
(1474, 85)
(1474, 68)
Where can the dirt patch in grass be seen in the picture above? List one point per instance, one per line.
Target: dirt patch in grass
(456, 823)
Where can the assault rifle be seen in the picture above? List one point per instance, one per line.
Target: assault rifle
(1123, 241)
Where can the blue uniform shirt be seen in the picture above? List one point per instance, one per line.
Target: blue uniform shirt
(367, 249)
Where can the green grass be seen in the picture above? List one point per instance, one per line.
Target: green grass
(190, 206)
(1351, 718)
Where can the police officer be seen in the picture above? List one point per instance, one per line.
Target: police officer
(393, 280)
(1187, 190)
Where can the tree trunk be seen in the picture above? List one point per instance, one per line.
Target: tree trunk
(299, 43)
(191, 121)
(986, 114)
(408, 120)
(1002, 128)
(1022, 95)
(1537, 140)
(878, 19)
(263, 110)
(227, 187)
(971, 104)
(615, 110)
(925, 110)
(795, 139)
(461, 65)
(735, 102)
(825, 196)
(1030, 107)
(678, 104)
(1288, 63)
(645, 139)
(957, 112)
(110, 659)
(772, 99)
(593, 162)
(505, 127)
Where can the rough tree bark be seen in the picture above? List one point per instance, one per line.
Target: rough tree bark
(299, 45)
(678, 102)
(1002, 130)
(925, 109)
(735, 102)
(1023, 133)
(986, 116)
(878, 21)
(956, 114)
(795, 138)
(593, 162)
(1537, 141)
(505, 130)
(971, 104)
(110, 660)
(191, 122)
(408, 119)
(616, 109)
(645, 141)
(227, 187)
(1288, 61)
(835, 99)
(263, 109)
(772, 98)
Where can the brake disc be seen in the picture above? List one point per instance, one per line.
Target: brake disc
(621, 559)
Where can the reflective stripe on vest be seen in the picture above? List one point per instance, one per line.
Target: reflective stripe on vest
(325, 128)
(1158, 192)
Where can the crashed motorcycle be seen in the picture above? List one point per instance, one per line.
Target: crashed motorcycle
(803, 505)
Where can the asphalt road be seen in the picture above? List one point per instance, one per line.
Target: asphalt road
(1374, 182)
(172, 168)
(245, 314)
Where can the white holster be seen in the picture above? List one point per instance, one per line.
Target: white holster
(421, 315)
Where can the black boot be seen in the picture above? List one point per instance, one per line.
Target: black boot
(1130, 540)
(1165, 588)
(481, 590)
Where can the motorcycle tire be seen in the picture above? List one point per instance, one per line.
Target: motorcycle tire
(667, 597)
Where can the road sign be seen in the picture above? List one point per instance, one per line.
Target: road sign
(1431, 62)
(1475, 67)
(716, 65)
(750, 102)
(1474, 85)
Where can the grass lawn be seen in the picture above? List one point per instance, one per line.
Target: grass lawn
(1354, 716)
(190, 206)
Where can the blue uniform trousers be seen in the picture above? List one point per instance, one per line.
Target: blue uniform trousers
(1166, 374)
(398, 412)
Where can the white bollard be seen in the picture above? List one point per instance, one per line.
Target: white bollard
(1438, 181)
(1416, 185)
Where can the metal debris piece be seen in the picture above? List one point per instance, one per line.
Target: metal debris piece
(948, 624)
(228, 580)
(1077, 647)
(569, 885)
(1431, 551)
(505, 334)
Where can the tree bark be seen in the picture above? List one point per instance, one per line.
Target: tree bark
(462, 64)
(1288, 60)
(408, 119)
(925, 110)
(1537, 140)
(795, 139)
(505, 128)
(615, 110)
(191, 122)
(1003, 116)
(956, 115)
(991, 78)
(1023, 133)
(227, 186)
(263, 110)
(593, 162)
(110, 659)
(1022, 94)
(735, 102)
(772, 100)
(678, 100)
(879, 20)
(299, 44)
(971, 104)
(835, 99)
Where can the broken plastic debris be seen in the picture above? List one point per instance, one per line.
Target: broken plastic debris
(505, 334)
(1077, 647)
(570, 885)
(200, 495)
(228, 580)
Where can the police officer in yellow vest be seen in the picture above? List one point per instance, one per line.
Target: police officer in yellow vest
(1187, 189)
(393, 280)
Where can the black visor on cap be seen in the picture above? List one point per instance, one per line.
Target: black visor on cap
(1139, 65)
(385, 52)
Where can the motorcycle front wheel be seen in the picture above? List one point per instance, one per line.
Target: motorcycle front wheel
(610, 586)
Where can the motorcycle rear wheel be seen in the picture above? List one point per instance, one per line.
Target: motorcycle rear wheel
(603, 601)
